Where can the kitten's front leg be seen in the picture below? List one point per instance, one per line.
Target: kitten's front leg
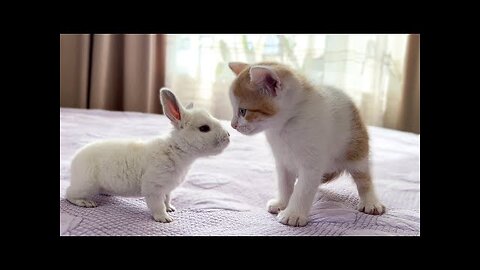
(296, 213)
(285, 181)
(168, 206)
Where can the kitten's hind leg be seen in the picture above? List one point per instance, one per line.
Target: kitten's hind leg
(369, 202)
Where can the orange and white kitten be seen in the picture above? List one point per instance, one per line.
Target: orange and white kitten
(315, 133)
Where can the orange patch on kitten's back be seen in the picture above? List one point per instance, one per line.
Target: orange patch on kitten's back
(358, 147)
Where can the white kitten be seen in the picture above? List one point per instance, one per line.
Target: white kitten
(315, 135)
(151, 169)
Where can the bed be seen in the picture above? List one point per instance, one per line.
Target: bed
(225, 195)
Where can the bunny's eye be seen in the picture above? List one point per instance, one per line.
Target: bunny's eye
(204, 128)
(242, 111)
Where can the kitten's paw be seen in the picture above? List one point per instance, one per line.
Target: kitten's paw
(164, 218)
(371, 207)
(292, 219)
(170, 208)
(84, 203)
(274, 206)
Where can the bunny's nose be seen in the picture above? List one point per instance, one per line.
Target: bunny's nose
(228, 134)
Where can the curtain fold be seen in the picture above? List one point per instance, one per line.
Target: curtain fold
(125, 72)
(74, 70)
(409, 118)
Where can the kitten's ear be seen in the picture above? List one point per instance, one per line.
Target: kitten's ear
(237, 67)
(266, 78)
(189, 106)
(171, 108)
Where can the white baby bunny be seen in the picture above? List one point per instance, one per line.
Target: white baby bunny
(150, 169)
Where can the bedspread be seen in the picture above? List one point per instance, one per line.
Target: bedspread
(227, 194)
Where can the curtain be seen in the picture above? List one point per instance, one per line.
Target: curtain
(112, 72)
(371, 69)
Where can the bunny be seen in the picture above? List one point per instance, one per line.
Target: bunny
(150, 169)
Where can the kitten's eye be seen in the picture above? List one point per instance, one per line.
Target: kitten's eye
(242, 111)
(204, 128)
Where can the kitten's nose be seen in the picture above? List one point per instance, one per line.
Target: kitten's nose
(234, 125)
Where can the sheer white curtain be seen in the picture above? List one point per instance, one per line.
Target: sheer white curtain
(367, 67)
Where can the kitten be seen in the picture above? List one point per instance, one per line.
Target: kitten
(315, 135)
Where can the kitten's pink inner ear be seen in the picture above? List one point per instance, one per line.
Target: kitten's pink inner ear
(266, 79)
(174, 111)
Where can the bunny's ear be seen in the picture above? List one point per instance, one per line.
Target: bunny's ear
(171, 107)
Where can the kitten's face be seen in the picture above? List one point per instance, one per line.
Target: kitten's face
(253, 101)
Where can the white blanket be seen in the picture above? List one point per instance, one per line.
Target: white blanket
(227, 194)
